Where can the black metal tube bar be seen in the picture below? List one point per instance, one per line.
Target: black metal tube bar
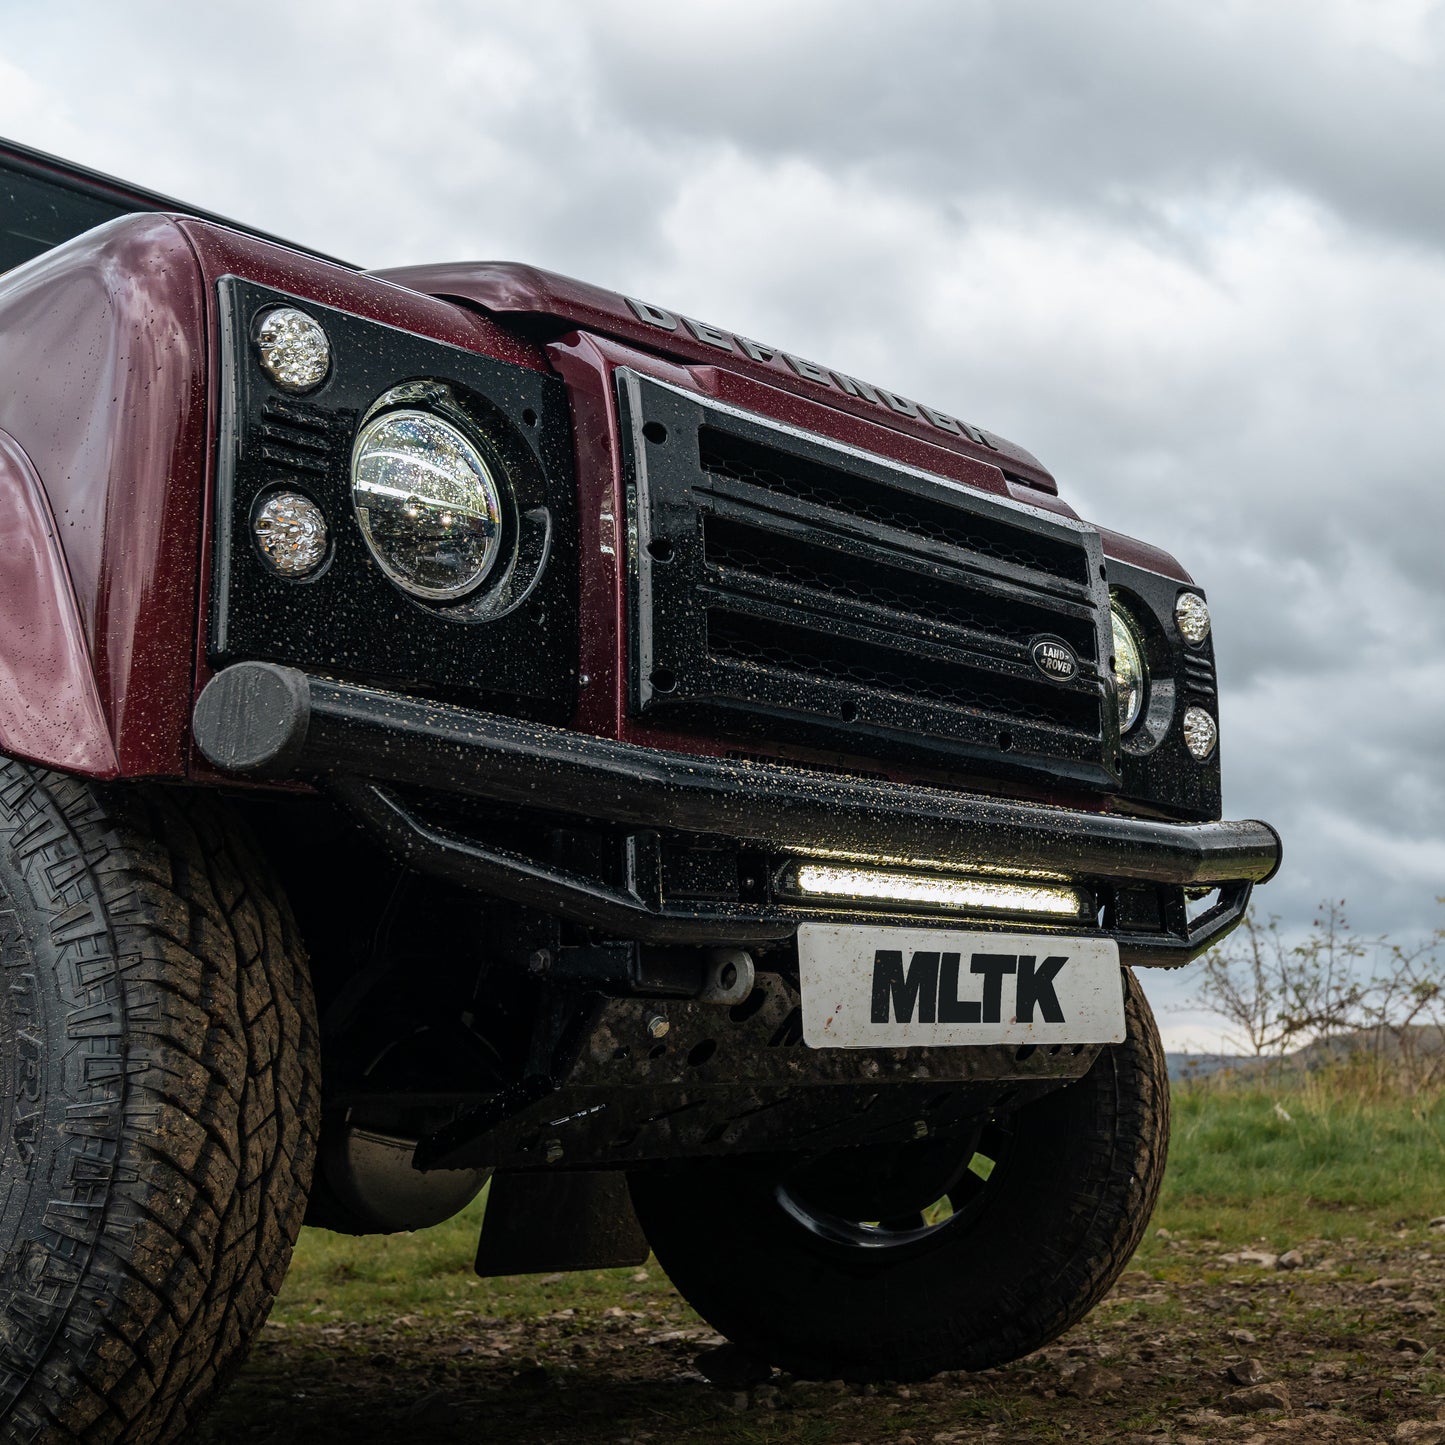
(268, 720)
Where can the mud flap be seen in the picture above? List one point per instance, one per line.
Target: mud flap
(543, 1223)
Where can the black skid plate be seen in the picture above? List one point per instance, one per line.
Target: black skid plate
(739, 1080)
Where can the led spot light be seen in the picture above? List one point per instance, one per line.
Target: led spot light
(1201, 733)
(1191, 612)
(291, 533)
(293, 349)
(996, 895)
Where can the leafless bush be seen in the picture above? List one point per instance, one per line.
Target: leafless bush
(1332, 995)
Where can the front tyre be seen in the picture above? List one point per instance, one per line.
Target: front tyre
(158, 1065)
(951, 1254)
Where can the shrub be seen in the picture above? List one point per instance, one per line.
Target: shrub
(1370, 1010)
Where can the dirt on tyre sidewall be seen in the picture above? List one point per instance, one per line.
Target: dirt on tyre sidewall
(159, 1096)
(1050, 1232)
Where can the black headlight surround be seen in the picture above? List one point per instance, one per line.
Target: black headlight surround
(511, 643)
(1157, 769)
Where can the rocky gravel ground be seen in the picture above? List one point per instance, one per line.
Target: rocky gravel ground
(1325, 1343)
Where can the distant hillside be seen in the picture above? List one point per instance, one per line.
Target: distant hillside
(1200, 1066)
(1421, 1041)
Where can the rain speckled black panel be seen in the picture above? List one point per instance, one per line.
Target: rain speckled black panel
(788, 587)
(1157, 765)
(511, 645)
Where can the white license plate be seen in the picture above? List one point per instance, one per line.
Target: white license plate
(885, 988)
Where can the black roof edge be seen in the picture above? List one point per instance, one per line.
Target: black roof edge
(96, 183)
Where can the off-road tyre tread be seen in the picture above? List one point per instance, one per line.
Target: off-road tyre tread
(162, 1234)
(1046, 1250)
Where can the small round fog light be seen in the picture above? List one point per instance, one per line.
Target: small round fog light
(291, 533)
(1200, 732)
(293, 349)
(1191, 612)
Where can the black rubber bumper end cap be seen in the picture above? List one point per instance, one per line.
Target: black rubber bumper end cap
(252, 718)
(1278, 850)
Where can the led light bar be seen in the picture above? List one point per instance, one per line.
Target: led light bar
(996, 895)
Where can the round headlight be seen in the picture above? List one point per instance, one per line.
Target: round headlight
(428, 505)
(1191, 612)
(293, 349)
(1129, 673)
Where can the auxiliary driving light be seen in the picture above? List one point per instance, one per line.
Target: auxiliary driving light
(293, 349)
(1200, 732)
(1191, 612)
(995, 895)
(291, 533)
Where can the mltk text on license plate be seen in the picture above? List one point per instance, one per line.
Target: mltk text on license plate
(888, 988)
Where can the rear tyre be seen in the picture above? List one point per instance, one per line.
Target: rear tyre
(158, 1066)
(954, 1254)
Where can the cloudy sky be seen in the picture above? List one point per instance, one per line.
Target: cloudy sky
(1192, 256)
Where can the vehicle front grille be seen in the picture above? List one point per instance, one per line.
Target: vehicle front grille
(296, 436)
(787, 586)
(882, 507)
(1199, 674)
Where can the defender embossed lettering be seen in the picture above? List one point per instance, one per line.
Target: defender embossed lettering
(810, 371)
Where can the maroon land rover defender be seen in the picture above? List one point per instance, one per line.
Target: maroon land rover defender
(461, 726)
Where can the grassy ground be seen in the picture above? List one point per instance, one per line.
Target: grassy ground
(376, 1337)
(1310, 1157)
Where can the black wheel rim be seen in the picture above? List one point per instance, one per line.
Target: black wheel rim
(921, 1213)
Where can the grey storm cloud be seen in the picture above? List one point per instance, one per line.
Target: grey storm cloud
(1192, 256)
(1086, 105)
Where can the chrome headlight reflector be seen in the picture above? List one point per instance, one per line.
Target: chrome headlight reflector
(1201, 733)
(427, 503)
(293, 349)
(1191, 612)
(1130, 674)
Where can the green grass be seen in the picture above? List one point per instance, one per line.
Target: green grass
(1258, 1165)
(1308, 1159)
(429, 1273)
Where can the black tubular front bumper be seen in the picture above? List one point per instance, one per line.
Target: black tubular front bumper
(270, 721)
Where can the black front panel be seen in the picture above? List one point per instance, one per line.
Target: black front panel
(512, 643)
(1157, 765)
(801, 590)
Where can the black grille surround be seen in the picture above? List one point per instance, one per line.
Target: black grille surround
(786, 586)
